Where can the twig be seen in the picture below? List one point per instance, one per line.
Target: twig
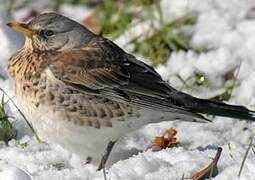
(245, 157)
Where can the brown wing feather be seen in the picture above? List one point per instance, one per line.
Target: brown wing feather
(105, 69)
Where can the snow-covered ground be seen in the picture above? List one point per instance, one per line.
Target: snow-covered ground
(227, 29)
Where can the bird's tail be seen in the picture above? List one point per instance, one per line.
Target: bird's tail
(220, 109)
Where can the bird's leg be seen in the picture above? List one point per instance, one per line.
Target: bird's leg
(106, 155)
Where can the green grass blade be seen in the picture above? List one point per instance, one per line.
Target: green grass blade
(24, 117)
(245, 157)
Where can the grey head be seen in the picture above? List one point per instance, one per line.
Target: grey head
(52, 31)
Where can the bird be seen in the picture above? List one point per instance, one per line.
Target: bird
(81, 90)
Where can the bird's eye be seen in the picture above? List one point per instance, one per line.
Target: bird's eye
(46, 33)
(49, 33)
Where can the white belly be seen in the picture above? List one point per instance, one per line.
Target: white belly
(82, 140)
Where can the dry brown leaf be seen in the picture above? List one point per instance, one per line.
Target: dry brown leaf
(230, 75)
(171, 133)
(162, 142)
(211, 170)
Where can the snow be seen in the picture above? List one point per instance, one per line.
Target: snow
(14, 173)
(226, 28)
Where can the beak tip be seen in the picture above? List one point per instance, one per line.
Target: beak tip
(21, 28)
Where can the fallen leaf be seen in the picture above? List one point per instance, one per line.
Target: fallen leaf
(162, 142)
(211, 170)
(171, 133)
(230, 75)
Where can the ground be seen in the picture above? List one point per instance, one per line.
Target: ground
(226, 28)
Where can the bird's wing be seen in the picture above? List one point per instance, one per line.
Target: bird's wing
(104, 69)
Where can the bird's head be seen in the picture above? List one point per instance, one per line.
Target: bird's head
(51, 31)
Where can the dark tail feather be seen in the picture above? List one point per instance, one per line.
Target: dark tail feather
(221, 109)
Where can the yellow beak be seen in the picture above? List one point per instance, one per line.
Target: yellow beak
(20, 27)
